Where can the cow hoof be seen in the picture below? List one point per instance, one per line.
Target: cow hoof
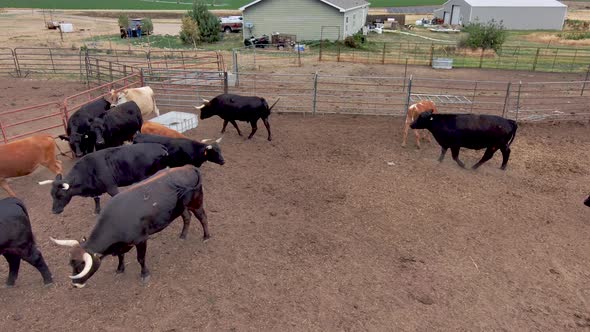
(117, 272)
(205, 239)
(418, 147)
(182, 237)
(8, 285)
(48, 285)
(145, 279)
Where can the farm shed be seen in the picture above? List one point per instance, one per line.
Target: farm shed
(514, 14)
(307, 19)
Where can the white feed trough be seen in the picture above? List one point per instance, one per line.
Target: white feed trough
(179, 121)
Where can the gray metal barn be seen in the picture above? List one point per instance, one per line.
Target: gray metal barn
(514, 14)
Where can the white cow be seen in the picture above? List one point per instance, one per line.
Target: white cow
(143, 97)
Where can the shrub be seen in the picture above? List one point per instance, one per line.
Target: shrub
(123, 21)
(576, 35)
(189, 31)
(355, 41)
(484, 35)
(207, 22)
(147, 25)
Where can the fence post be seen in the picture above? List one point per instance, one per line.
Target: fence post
(298, 54)
(383, 55)
(3, 133)
(431, 54)
(409, 95)
(97, 72)
(536, 59)
(405, 75)
(506, 99)
(338, 56)
(321, 47)
(473, 98)
(315, 93)
(51, 57)
(225, 83)
(585, 80)
(16, 64)
(141, 78)
(234, 59)
(518, 101)
(111, 70)
(574, 60)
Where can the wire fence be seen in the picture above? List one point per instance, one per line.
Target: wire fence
(546, 59)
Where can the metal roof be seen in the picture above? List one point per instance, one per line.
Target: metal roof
(341, 5)
(515, 3)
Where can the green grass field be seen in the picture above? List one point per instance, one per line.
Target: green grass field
(170, 4)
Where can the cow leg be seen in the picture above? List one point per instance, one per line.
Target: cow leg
(225, 122)
(486, 156)
(254, 128)
(186, 219)
(202, 216)
(233, 122)
(443, 151)
(121, 266)
(505, 155)
(417, 134)
(6, 187)
(96, 205)
(455, 154)
(13, 265)
(405, 134)
(267, 125)
(36, 260)
(427, 135)
(141, 250)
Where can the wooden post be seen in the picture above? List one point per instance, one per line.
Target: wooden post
(506, 99)
(585, 80)
(383, 56)
(481, 57)
(431, 54)
(536, 59)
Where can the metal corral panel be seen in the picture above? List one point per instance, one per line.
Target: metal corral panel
(303, 18)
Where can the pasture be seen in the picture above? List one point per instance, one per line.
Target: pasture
(172, 5)
(334, 226)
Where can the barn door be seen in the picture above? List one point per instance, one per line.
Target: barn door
(455, 14)
(446, 18)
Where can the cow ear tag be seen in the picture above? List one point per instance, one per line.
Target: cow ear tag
(431, 118)
(205, 153)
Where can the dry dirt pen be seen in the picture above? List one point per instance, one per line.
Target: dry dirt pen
(333, 225)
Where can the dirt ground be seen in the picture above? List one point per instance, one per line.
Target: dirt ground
(334, 226)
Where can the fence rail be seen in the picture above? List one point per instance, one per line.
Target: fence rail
(547, 59)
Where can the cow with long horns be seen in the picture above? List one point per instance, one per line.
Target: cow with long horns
(155, 203)
(105, 170)
(232, 108)
(184, 151)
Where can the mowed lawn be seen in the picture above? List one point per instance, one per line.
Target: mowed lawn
(171, 4)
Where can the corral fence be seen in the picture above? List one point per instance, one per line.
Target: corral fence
(545, 59)
(370, 95)
(252, 58)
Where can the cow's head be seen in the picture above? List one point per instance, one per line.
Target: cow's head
(61, 192)
(206, 110)
(587, 201)
(98, 128)
(213, 151)
(118, 97)
(423, 121)
(83, 264)
(80, 143)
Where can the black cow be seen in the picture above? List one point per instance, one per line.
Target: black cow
(154, 203)
(471, 131)
(183, 151)
(118, 125)
(17, 241)
(106, 170)
(79, 135)
(587, 201)
(232, 108)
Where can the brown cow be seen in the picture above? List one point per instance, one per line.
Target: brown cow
(22, 157)
(161, 130)
(413, 112)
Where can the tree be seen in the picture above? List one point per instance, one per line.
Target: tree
(189, 31)
(207, 23)
(123, 21)
(147, 25)
(485, 35)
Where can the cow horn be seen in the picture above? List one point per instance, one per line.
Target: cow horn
(87, 266)
(65, 186)
(209, 147)
(65, 243)
(205, 140)
(205, 100)
(46, 182)
(200, 107)
(218, 140)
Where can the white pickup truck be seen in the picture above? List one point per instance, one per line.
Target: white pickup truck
(231, 23)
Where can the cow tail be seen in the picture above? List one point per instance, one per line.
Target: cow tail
(273, 105)
(514, 128)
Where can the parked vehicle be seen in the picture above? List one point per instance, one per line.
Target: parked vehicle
(260, 42)
(132, 29)
(231, 24)
(282, 41)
